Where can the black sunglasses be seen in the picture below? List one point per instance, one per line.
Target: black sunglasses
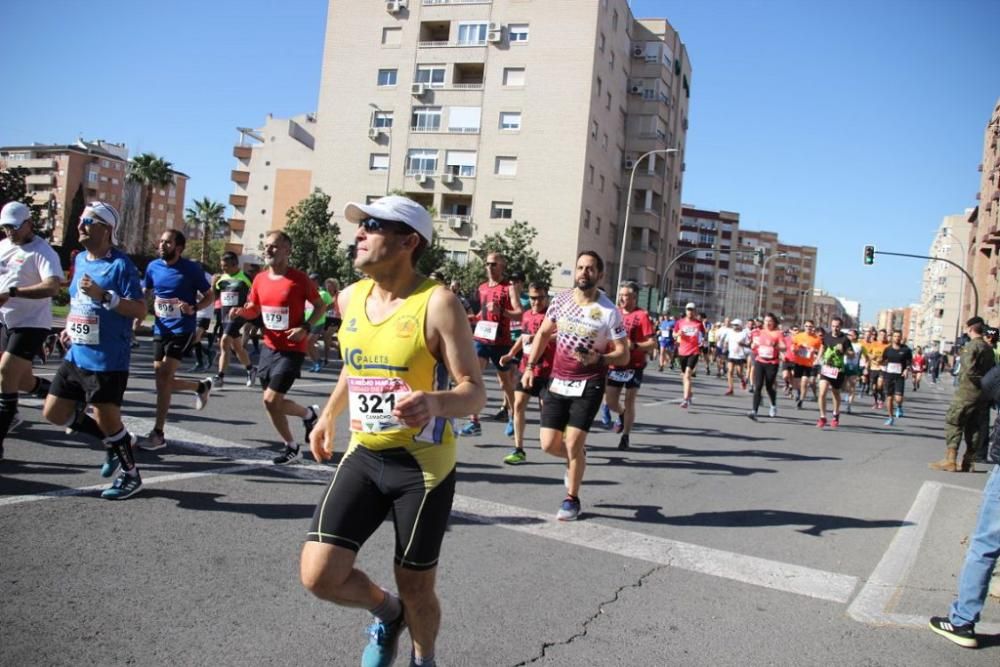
(380, 225)
(535, 298)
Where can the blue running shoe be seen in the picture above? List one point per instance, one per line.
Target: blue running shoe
(890, 421)
(472, 428)
(383, 640)
(606, 416)
(110, 464)
(569, 510)
(125, 486)
(899, 412)
(510, 429)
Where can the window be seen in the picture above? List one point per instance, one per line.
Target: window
(392, 36)
(510, 120)
(600, 86)
(601, 181)
(590, 174)
(517, 32)
(432, 75)
(421, 161)
(387, 77)
(614, 19)
(586, 219)
(381, 119)
(105, 164)
(461, 163)
(92, 176)
(506, 166)
(472, 34)
(502, 210)
(513, 76)
(597, 225)
(114, 181)
(593, 129)
(426, 119)
(600, 42)
(464, 119)
(378, 162)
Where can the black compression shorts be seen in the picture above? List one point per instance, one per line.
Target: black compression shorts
(77, 384)
(559, 411)
(278, 371)
(174, 346)
(23, 342)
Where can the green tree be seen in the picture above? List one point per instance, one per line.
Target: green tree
(517, 244)
(13, 187)
(315, 239)
(150, 171)
(434, 258)
(210, 217)
(208, 253)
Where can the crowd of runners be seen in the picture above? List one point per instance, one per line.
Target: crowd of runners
(414, 353)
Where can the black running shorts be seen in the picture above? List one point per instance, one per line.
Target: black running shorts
(800, 371)
(278, 370)
(537, 386)
(173, 346)
(234, 327)
(560, 411)
(23, 342)
(77, 384)
(367, 486)
(630, 378)
(893, 384)
(688, 361)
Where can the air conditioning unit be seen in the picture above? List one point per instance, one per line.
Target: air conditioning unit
(494, 36)
(495, 26)
(394, 6)
(448, 179)
(635, 90)
(421, 178)
(629, 164)
(418, 89)
(373, 132)
(455, 223)
(638, 51)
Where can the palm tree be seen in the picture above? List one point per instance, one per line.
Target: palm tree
(151, 171)
(210, 217)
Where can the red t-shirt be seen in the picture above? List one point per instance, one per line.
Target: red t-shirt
(531, 322)
(638, 328)
(686, 332)
(764, 346)
(281, 301)
(494, 328)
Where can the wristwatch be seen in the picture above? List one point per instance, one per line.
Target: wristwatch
(106, 299)
(12, 291)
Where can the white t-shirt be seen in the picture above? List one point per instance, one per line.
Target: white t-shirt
(589, 327)
(735, 340)
(208, 312)
(24, 266)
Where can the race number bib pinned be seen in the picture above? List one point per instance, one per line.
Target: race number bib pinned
(804, 352)
(831, 372)
(894, 368)
(621, 375)
(275, 317)
(526, 345)
(765, 352)
(83, 329)
(372, 401)
(167, 308)
(486, 330)
(230, 299)
(690, 331)
(567, 388)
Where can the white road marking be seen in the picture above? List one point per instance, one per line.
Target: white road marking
(877, 596)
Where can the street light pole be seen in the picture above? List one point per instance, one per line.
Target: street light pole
(961, 288)
(628, 209)
(763, 269)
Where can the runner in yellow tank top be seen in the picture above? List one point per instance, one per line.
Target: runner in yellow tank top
(397, 326)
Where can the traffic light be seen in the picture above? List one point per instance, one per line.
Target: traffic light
(758, 256)
(869, 255)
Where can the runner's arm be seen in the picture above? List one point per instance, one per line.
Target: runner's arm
(539, 342)
(619, 356)
(48, 287)
(207, 298)
(515, 311)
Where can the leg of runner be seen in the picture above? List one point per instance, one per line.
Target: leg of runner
(628, 416)
(521, 399)
(758, 388)
(474, 427)
(612, 401)
(824, 387)
(167, 385)
(15, 376)
(279, 409)
(730, 371)
(572, 449)
(836, 406)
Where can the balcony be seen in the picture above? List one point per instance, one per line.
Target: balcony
(40, 179)
(237, 224)
(240, 176)
(456, 2)
(242, 152)
(239, 201)
(38, 163)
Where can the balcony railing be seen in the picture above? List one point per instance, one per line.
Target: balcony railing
(240, 176)
(242, 152)
(456, 2)
(237, 224)
(238, 200)
(440, 44)
(467, 86)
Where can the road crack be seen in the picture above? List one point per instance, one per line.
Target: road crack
(638, 583)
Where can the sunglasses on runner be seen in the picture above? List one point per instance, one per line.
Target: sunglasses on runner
(384, 226)
(92, 221)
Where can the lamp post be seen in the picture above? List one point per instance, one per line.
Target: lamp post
(763, 270)
(961, 288)
(388, 166)
(628, 209)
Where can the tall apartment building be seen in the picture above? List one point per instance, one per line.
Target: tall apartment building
(786, 278)
(939, 317)
(825, 307)
(900, 319)
(490, 111)
(984, 236)
(274, 171)
(56, 172)
(707, 277)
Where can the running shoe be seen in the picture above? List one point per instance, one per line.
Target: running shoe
(153, 441)
(752, 416)
(515, 457)
(309, 421)
(201, 396)
(890, 421)
(835, 422)
(569, 510)
(743, 383)
(623, 442)
(899, 412)
(472, 428)
(110, 464)
(685, 403)
(821, 422)
(798, 404)
(963, 635)
(290, 455)
(509, 431)
(606, 416)
(218, 381)
(316, 367)
(728, 392)
(125, 486)
(619, 425)
(251, 376)
(383, 642)
(501, 415)
(772, 411)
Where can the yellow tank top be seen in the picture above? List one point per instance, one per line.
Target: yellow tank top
(383, 361)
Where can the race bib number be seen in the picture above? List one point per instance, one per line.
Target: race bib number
(372, 401)
(765, 352)
(689, 331)
(567, 388)
(831, 372)
(230, 298)
(625, 375)
(83, 329)
(526, 345)
(275, 317)
(486, 330)
(167, 308)
(804, 352)
(894, 369)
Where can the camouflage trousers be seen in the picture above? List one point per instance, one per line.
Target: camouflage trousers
(969, 420)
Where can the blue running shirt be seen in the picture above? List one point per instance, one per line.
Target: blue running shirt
(173, 285)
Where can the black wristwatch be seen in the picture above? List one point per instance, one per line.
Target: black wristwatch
(12, 291)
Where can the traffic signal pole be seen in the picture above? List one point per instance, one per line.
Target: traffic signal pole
(975, 290)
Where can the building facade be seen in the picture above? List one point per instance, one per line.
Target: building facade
(900, 319)
(784, 280)
(984, 230)
(939, 317)
(705, 276)
(489, 111)
(273, 172)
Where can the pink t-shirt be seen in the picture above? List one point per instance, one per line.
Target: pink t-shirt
(686, 332)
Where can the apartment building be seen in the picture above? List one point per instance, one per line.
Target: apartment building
(705, 274)
(826, 307)
(784, 279)
(489, 111)
(899, 319)
(273, 172)
(57, 171)
(984, 234)
(939, 318)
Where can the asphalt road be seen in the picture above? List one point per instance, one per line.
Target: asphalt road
(712, 541)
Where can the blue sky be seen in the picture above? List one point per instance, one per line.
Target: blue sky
(833, 123)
